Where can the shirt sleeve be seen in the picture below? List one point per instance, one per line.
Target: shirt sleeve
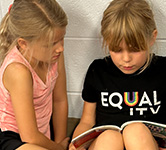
(89, 92)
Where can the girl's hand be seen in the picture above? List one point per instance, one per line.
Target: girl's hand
(162, 148)
(71, 146)
(63, 145)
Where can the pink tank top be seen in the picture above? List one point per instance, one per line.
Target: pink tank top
(42, 96)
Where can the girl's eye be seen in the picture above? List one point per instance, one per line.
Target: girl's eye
(134, 49)
(54, 43)
(58, 41)
(116, 50)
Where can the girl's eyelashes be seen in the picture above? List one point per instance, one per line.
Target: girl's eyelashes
(134, 49)
(116, 49)
(54, 43)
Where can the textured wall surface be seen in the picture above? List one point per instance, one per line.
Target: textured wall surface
(83, 41)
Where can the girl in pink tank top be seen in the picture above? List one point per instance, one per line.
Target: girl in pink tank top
(32, 76)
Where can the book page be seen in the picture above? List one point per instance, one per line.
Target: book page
(157, 129)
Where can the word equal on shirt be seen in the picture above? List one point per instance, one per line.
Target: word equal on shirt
(131, 99)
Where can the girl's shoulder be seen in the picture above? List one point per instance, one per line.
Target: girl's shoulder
(158, 60)
(14, 67)
(14, 56)
(16, 73)
(100, 64)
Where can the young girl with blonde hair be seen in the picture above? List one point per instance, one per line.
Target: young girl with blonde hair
(127, 85)
(32, 76)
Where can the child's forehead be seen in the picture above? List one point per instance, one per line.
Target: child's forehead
(59, 32)
(52, 35)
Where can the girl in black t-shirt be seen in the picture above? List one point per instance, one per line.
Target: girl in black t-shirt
(129, 31)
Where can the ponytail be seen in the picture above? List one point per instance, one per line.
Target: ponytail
(5, 38)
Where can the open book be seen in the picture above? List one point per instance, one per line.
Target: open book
(85, 139)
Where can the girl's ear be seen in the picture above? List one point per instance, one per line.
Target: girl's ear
(22, 43)
(154, 36)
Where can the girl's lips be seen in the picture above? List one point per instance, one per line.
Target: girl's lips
(128, 67)
(56, 56)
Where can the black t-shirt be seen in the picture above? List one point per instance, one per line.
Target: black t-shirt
(122, 97)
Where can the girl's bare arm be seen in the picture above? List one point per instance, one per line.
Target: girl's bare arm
(87, 120)
(60, 103)
(18, 81)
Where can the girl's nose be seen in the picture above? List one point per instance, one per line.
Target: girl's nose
(60, 47)
(126, 56)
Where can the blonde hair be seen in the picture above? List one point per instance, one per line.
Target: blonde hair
(30, 20)
(131, 20)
